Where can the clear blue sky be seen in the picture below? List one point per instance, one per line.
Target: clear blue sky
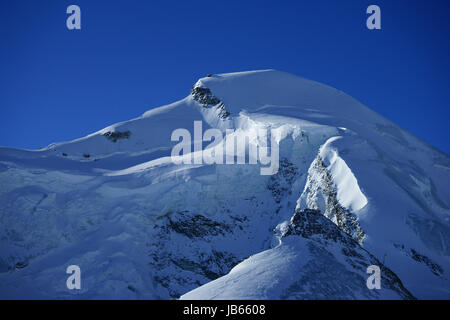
(130, 56)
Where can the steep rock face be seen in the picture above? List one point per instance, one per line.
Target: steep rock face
(184, 255)
(205, 97)
(312, 225)
(320, 193)
(314, 260)
(435, 268)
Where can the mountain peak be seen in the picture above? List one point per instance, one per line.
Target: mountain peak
(143, 226)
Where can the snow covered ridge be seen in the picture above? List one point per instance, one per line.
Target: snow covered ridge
(350, 190)
(304, 266)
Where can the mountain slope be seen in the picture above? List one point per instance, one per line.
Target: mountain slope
(313, 253)
(140, 226)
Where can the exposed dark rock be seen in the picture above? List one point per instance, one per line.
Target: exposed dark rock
(223, 113)
(205, 97)
(195, 261)
(21, 265)
(334, 211)
(131, 288)
(117, 135)
(211, 266)
(280, 183)
(313, 225)
(433, 266)
(197, 226)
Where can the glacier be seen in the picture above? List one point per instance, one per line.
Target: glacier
(352, 190)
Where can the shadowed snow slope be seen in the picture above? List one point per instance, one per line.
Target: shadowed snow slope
(352, 190)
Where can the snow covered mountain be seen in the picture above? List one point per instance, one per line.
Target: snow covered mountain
(352, 190)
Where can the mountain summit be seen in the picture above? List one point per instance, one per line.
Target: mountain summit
(350, 190)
